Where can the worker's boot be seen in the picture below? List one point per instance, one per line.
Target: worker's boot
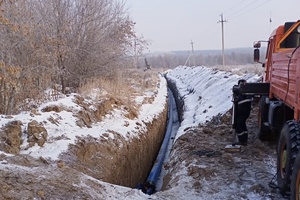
(242, 138)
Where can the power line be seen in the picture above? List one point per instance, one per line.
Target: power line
(243, 8)
(234, 6)
(209, 29)
(247, 11)
(211, 32)
(239, 8)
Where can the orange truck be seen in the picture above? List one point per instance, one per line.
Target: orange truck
(279, 106)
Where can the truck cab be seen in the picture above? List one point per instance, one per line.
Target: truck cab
(282, 71)
(279, 108)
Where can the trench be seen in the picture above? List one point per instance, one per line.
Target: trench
(128, 163)
(154, 181)
(155, 178)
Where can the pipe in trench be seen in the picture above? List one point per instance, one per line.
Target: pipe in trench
(149, 186)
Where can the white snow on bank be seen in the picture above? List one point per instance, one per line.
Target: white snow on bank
(68, 130)
(206, 92)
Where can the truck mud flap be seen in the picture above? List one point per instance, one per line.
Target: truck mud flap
(273, 105)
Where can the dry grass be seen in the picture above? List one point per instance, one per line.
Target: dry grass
(242, 69)
(125, 86)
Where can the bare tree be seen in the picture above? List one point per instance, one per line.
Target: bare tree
(65, 42)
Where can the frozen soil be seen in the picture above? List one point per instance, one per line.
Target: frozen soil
(198, 167)
(216, 174)
(101, 163)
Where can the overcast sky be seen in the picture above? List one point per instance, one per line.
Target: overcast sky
(172, 24)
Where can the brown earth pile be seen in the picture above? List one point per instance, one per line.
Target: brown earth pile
(110, 157)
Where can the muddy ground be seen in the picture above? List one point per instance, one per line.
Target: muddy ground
(214, 173)
(199, 168)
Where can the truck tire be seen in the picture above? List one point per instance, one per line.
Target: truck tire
(287, 150)
(264, 132)
(295, 181)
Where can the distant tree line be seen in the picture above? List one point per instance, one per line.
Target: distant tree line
(60, 44)
(171, 60)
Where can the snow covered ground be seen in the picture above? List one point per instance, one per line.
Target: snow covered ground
(206, 92)
(199, 168)
(69, 130)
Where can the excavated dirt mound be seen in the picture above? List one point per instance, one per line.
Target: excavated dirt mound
(117, 160)
(24, 177)
(111, 157)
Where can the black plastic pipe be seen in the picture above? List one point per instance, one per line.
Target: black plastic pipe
(149, 186)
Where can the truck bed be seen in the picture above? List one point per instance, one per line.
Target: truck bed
(284, 80)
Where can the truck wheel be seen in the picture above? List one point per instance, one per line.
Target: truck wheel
(264, 132)
(287, 150)
(295, 182)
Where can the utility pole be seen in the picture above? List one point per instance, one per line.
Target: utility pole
(192, 43)
(222, 25)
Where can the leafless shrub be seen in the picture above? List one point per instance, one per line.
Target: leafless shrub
(65, 42)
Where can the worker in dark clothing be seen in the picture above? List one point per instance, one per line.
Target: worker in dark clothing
(243, 112)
